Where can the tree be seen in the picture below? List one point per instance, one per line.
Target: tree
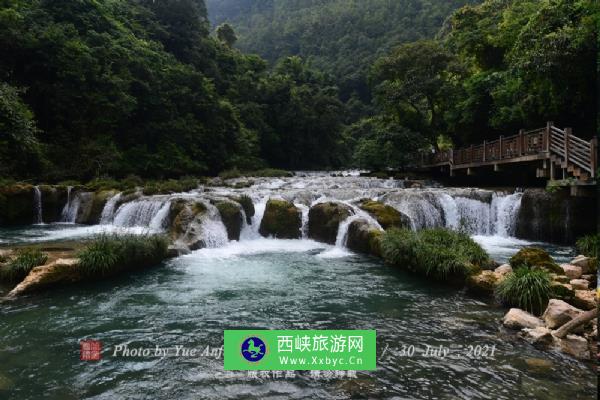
(226, 34)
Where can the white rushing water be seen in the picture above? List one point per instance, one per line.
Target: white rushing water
(37, 201)
(139, 213)
(108, 212)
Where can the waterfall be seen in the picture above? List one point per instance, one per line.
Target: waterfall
(138, 213)
(473, 212)
(214, 232)
(250, 232)
(304, 209)
(37, 204)
(158, 222)
(71, 209)
(108, 211)
(357, 213)
(504, 213)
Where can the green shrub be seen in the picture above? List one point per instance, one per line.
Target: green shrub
(437, 253)
(26, 260)
(110, 254)
(525, 288)
(589, 245)
(230, 174)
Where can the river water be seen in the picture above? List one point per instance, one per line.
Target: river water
(273, 284)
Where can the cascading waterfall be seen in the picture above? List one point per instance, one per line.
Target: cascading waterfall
(108, 212)
(37, 204)
(214, 232)
(138, 213)
(158, 222)
(504, 213)
(342, 234)
(71, 209)
(250, 232)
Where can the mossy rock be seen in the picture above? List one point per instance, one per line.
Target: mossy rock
(363, 238)
(247, 205)
(484, 283)
(181, 214)
(562, 292)
(231, 215)
(387, 216)
(16, 205)
(282, 219)
(533, 257)
(324, 220)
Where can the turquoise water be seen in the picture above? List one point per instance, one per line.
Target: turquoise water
(269, 284)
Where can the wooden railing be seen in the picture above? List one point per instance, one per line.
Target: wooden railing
(542, 142)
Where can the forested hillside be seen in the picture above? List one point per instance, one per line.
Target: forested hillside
(97, 88)
(339, 37)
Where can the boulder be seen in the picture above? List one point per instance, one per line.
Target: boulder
(560, 278)
(579, 284)
(585, 299)
(503, 270)
(588, 265)
(232, 217)
(387, 216)
(592, 279)
(534, 257)
(282, 219)
(247, 205)
(572, 271)
(186, 224)
(576, 346)
(484, 283)
(16, 205)
(559, 313)
(562, 291)
(324, 220)
(364, 237)
(61, 271)
(539, 336)
(519, 319)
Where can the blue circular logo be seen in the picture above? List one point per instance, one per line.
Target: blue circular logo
(253, 349)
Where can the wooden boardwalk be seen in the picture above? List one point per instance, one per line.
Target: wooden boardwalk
(561, 153)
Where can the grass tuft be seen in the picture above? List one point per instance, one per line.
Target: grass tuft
(110, 254)
(589, 245)
(437, 253)
(525, 288)
(17, 269)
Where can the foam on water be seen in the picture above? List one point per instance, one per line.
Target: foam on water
(257, 246)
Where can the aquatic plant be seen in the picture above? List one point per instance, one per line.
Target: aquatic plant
(17, 269)
(110, 254)
(526, 288)
(437, 253)
(589, 245)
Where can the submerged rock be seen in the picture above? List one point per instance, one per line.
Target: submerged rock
(231, 215)
(61, 271)
(282, 219)
(324, 220)
(576, 346)
(364, 238)
(519, 319)
(539, 336)
(387, 216)
(559, 313)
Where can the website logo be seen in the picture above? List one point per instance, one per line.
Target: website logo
(253, 349)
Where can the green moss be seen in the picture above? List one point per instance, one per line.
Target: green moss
(324, 220)
(281, 219)
(387, 216)
(534, 258)
(248, 206)
(17, 269)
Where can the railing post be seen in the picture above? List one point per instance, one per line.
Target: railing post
(500, 156)
(547, 136)
(567, 134)
(594, 155)
(520, 142)
(484, 151)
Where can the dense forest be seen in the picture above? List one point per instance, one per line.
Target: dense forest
(94, 88)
